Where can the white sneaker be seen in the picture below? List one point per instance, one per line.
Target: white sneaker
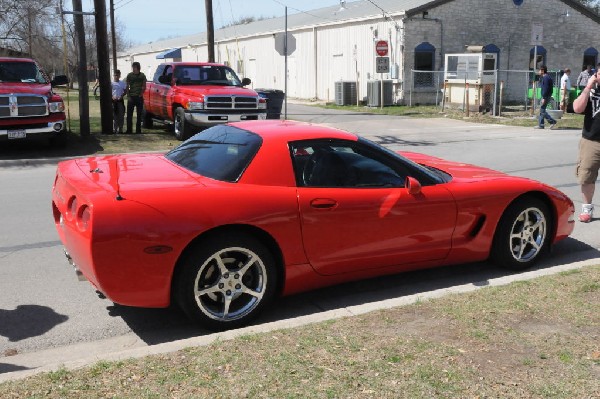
(587, 213)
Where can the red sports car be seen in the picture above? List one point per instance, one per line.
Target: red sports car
(242, 213)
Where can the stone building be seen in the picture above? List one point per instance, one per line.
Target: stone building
(337, 44)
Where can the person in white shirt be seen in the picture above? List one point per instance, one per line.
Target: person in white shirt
(118, 91)
(565, 89)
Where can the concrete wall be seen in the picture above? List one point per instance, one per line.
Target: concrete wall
(500, 22)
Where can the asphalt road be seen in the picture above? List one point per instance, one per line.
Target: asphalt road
(42, 305)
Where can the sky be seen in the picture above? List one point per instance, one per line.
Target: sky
(150, 20)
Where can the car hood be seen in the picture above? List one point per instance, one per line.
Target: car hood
(209, 90)
(455, 169)
(30, 88)
(132, 174)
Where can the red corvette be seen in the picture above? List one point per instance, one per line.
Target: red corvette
(241, 213)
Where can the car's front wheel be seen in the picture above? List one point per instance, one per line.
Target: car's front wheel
(523, 234)
(226, 281)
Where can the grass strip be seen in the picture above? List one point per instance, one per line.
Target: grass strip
(530, 339)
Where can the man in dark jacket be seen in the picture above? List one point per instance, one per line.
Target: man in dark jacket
(546, 87)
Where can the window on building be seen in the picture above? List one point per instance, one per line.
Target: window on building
(541, 58)
(492, 48)
(590, 57)
(424, 61)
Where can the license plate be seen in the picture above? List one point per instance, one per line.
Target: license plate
(16, 134)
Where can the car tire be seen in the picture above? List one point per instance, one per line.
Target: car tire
(147, 121)
(181, 128)
(226, 281)
(522, 235)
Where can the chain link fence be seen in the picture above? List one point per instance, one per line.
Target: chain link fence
(505, 91)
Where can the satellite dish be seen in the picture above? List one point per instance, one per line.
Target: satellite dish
(518, 2)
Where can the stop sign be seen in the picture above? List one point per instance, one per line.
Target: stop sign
(381, 48)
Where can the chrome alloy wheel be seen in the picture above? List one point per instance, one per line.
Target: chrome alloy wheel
(230, 284)
(528, 234)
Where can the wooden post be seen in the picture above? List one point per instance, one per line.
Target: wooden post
(210, 31)
(501, 94)
(533, 98)
(84, 104)
(467, 105)
(444, 95)
(106, 105)
(113, 35)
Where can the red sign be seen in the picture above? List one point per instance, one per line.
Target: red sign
(381, 48)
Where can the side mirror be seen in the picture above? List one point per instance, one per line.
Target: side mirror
(165, 79)
(413, 186)
(59, 80)
(246, 81)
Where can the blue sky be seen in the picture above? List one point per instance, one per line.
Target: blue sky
(149, 20)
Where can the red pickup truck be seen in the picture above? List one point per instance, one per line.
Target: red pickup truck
(193, 95)
(28, 106)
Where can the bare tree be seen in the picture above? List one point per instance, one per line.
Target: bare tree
(33, 27)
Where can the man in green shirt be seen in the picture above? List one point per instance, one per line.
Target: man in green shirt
(136, 85)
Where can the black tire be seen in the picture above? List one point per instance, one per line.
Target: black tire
(147, 121)
(523, 234)
(58, 141)
(214, 290)
(181, 128)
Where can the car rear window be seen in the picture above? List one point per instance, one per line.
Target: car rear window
(221, 152)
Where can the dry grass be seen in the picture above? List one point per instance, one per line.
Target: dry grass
(534, 339)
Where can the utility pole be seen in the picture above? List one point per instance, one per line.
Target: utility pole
(113, 35)
(210, 31)
(30, 38)
(84, 102)
(106, 110)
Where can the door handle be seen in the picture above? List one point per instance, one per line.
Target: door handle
(323, 203)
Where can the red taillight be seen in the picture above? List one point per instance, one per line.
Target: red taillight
(83, 217)
(72, 208)
(56, 213)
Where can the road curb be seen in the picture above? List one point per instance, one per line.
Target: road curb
(131, 346)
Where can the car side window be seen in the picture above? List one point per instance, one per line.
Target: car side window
(330, 164)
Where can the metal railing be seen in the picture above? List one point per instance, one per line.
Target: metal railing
(506, 90)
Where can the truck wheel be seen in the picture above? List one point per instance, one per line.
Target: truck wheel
(147, 121)
(181, 128)
(58, 141)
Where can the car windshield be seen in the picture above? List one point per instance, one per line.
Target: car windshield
(24, 72)
(189, 75)
(221, 152)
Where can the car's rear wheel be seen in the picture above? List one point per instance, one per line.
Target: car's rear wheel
(226, 281)
(523, 234)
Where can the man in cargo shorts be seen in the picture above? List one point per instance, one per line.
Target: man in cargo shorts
(588, 161)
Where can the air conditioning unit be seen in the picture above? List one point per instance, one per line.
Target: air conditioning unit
(345, 93)
(374, 93)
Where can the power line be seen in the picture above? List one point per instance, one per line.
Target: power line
(386, 14)
(306, 12)
(123, 5)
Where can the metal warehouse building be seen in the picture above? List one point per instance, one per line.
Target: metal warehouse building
(335, 44)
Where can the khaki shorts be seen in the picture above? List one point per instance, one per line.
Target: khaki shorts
(588, 161)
